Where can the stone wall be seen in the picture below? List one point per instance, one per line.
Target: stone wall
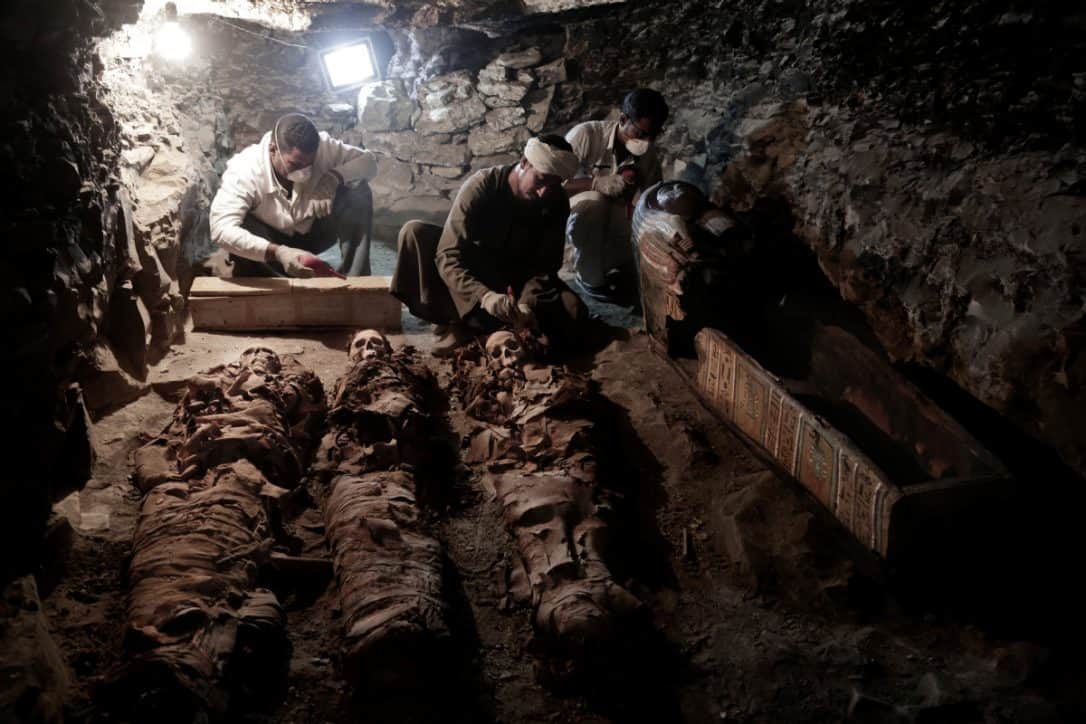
(431, 132)
(64, 257)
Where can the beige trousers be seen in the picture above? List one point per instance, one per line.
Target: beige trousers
(599, 231)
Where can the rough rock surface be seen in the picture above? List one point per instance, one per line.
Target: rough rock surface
(64, 252)
(962, 260)
(35, 683)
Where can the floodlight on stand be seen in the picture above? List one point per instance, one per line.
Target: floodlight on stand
(349, 66)
(170, 41)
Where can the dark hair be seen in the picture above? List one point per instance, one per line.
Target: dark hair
(645, 103)
(553, 139)
(296, 131)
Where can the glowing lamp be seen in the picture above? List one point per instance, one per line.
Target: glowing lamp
(171, 42)
(349, 66)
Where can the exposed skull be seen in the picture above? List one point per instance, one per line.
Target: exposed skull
(504, 349)
(369, 344)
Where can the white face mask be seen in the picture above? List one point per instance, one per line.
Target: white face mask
(301, 175)
(638, 146)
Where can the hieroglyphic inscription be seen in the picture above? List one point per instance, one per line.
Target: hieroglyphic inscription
(867, 485)
(750, 401)
(816, 462)
(773, 422)
(845, 508)
(789, 425)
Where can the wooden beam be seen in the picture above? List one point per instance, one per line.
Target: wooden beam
(281, 303)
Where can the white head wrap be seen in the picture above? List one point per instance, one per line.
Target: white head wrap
(551, 160)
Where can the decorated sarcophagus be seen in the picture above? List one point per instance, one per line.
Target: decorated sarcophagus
(788, 367)
(683, 245)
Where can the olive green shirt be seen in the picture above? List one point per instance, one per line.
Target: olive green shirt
(492, 240)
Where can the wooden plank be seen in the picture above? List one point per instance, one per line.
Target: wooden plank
(278, 304)
(324, 285)
(216, 287)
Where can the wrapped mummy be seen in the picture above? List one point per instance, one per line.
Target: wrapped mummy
(388, 570)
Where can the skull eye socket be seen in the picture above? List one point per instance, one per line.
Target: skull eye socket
(513, 345)
(496, 352)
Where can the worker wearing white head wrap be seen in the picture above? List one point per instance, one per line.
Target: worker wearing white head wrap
(551, 160)
(496, 260)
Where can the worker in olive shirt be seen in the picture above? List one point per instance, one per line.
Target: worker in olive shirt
(496, 261)
(291, 196)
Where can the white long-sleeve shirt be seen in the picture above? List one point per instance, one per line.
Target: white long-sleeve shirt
(249, 185)
(594, 144)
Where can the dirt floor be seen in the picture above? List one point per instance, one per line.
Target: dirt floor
(762, 608)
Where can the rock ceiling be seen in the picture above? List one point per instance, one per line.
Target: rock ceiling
(489, 15)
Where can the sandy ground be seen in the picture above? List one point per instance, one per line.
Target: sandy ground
(762, 608)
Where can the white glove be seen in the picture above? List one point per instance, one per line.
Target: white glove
(715, 222)
(291, 261)
(613, 185)
(500, 306)
(323, 194)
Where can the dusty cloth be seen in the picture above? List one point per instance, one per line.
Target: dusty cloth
(250, 186)
(419, 285)
(350, 223)
(550, 160)
(599, 227)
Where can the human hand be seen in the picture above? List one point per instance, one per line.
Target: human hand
(613, 185)
(293, 261)
(324, 194)
(499, 306)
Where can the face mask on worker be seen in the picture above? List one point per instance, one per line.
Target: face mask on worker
(638, 146)
(301, 175)
(298, 176)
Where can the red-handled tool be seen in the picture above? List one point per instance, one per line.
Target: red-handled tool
(320, 267)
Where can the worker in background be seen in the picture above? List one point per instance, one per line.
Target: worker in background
(291, 196)
(496, 261)
(617, 160)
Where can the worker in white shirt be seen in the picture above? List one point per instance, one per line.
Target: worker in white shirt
(618, 161)
(291, 196)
